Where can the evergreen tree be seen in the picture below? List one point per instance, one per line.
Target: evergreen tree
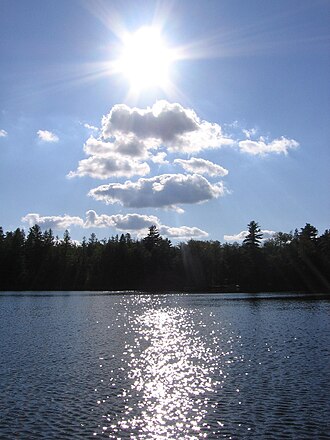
(308, 232)
(66, 239)
(153, 239)
(254, 236)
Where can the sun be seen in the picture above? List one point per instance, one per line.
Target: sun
(145, 59)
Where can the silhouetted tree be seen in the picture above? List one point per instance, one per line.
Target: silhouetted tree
(324, 243)
(282, 239)
(153, 238)
(253, 239)
(308, 232)
(252, 273)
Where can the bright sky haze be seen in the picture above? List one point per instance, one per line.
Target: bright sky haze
(195, 116)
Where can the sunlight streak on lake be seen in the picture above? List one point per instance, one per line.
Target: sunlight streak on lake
(173, 373)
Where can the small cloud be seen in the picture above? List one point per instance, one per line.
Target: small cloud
(266, 234)
(3, 133)
(236, 237)
(164, 191)
(281, 145)
(91, 127)
(250, 132)
(234, 124)
(182, 232)
(202, 166)
(47, 136)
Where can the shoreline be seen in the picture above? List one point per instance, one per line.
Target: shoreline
(155, 292)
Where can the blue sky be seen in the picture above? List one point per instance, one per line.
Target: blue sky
(240, 131)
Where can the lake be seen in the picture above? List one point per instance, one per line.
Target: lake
(78, 365)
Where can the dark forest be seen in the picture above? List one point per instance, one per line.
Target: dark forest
(295, 261)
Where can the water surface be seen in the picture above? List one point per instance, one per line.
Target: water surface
(99, 365)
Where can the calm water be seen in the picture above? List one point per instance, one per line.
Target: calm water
(94, 365)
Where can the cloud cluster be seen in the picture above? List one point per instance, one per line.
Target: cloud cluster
(281, 145)
(136, 135)
(133, 223)
(132, 142)
(164, 191)
(47, 136)
(3, 133)
(243, 234)
(202, 166)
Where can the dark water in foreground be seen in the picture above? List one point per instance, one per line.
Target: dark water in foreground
(93, 365)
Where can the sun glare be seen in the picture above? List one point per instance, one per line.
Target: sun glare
(145, 59)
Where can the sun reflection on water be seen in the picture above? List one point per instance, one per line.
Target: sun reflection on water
(172, 371)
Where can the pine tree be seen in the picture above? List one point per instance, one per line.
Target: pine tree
(253, 239)
(308, 232)
(153, 239)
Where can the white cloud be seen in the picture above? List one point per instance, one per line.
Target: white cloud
(243, 234)
(250, 132)
(261, 147)
(201, 166)
(170, 125)
(112, 165)
(166, 191)
(52, 222)
(47, 136)
(127, 222)
(133, 223)
(91, 127)
(3, 133)
(182, 232)
(236, 237)
(267, 234)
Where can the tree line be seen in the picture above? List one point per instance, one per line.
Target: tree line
(295, 261)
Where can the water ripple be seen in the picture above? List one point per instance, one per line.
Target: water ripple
(163, 367)
(173, 370)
